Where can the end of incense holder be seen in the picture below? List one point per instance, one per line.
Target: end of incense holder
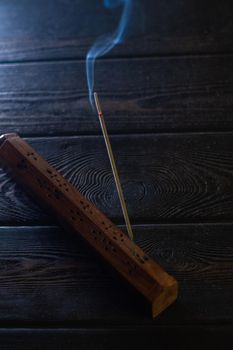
(56, 194)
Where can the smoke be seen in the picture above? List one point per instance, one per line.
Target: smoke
(105, 43)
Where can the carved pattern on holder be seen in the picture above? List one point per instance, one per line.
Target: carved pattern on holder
(76, 216)
(102, 240)
(108, 246)
(31, 155)
(52, 191)
(59, 180)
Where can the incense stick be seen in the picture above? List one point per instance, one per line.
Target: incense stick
(113, 166)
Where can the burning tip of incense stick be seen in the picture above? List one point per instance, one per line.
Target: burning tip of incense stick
(97, 103)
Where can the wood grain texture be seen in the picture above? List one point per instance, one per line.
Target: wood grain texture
(57, 29)
(207, 337)
(173, 74)
(166, 178)
(49, 277)
(173, 94)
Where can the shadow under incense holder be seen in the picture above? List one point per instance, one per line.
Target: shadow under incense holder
(55, 193)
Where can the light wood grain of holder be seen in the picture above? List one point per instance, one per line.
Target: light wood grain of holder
(56, 193)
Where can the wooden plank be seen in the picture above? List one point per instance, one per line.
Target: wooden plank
(50, 277)
(40, 30)
(207, 337)
(143, 95)
(166, 178)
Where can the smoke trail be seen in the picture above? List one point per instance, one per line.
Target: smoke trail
(105, 43)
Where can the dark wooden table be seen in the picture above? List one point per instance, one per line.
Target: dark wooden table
(167, 96)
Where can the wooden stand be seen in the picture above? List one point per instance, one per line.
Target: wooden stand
(57, 194)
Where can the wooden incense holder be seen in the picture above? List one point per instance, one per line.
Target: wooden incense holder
(53, 191)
